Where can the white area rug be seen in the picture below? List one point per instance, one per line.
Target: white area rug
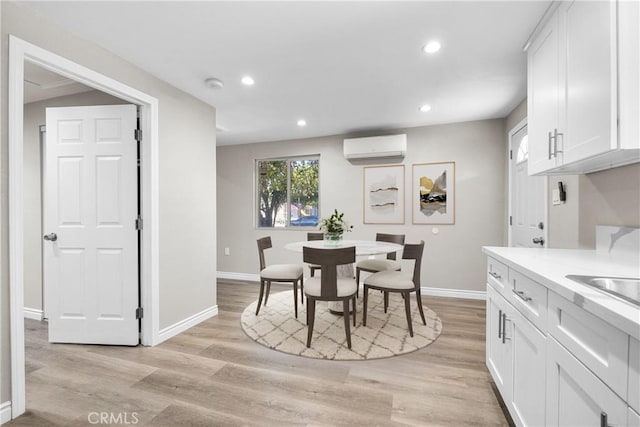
(385, 335)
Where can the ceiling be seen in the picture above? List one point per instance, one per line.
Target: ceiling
(345, 67)
(40, 84)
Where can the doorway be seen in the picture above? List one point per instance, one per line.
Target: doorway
(19, 53)
(527, 194)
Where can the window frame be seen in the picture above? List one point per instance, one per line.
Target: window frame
(256, 192)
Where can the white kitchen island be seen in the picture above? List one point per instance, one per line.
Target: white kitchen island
(561, 352)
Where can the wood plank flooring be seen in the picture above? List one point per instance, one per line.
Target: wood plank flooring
(214, 375)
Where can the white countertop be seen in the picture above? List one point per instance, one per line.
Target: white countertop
(550, 266)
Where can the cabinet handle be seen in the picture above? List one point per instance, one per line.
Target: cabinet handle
(499, 324)
(549, 144)
(522, 295)
(556, 134)
(504, 328)
(495, 275)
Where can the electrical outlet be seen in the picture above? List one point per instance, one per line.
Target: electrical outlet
(227, 251)
(555, 197)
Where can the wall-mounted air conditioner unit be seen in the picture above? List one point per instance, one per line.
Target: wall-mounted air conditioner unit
(375, 147)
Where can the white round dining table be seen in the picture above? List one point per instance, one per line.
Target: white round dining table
(363, 248)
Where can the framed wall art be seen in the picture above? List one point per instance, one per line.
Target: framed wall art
(383, 194)
(433, 193)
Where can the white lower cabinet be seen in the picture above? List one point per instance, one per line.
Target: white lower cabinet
(575, 396)
(498, 354)
(516, 360)
(528, 376)
(553, 362)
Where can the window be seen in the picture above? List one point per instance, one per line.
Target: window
(287, 192)
(523, 150)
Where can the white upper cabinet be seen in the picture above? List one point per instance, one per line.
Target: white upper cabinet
(544, 97)
(583, 88)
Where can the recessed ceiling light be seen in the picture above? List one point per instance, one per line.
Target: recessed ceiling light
(302, 123)
(214, 83)
(426, 107)
(432, 47)
(248, 81)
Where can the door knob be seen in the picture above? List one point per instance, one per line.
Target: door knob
(538, 241)
(52, 237)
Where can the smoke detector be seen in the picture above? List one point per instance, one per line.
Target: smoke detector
(214, 83)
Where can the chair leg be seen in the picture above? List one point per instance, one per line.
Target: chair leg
(365, 294)
(407, 310)
(354, 311)
(260, 297)
(311, 314)
(419, 298)
(347, 329)
(357, 282)
(302, 290)
(266, 297)
(295, 298)
(386, 301)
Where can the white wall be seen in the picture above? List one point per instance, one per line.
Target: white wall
(452, 259)
(34, 116)
(187, 169)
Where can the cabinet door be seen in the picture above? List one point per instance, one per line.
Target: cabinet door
(529, 364)
(498, 352)
(590, 107)
(544, 95)
(575, 396)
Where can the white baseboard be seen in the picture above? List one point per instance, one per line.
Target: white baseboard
(454, 293)
(436, 292)
(183, 325)
(33, 313)
(5, 412)
(247, 277)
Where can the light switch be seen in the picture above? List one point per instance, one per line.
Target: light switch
(555, 197)
(227, 251)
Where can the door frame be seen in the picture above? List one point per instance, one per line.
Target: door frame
(19, 52)
(545, 232)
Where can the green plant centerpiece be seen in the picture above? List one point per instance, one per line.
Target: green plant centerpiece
(334, 227)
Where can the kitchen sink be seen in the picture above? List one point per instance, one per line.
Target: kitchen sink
(627, 289)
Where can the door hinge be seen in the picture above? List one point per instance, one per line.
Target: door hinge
(137, 133)
(139, 223)
(510, 220)
(139, 313)
(510, 154)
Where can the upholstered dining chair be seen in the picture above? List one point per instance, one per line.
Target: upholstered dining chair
(310, 237)
(279, 273)
(330, 287)
(398, 281)
(376, 265)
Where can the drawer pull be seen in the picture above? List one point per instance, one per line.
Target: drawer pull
(495, 275)
(522, 296)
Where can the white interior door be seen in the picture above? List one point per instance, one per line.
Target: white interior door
(90, 208)
(528, 196)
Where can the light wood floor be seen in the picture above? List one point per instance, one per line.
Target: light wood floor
(214, 375)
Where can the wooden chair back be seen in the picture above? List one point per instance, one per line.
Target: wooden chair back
(414, 252)
(328, 260)
(390, 238)
(263, 243)
(315, 236)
